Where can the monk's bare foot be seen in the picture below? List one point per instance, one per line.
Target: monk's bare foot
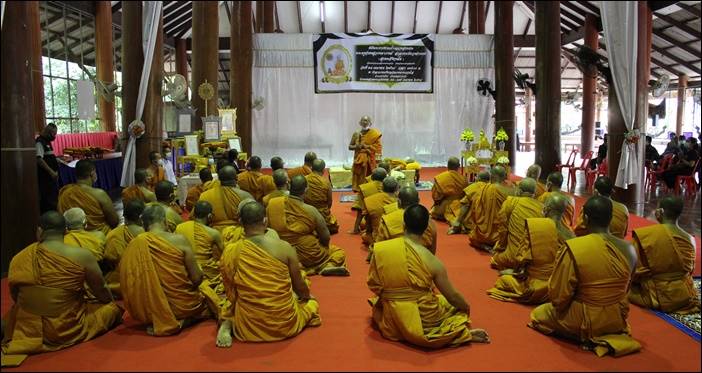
(150, 330)
(224, 334)
(335, 271)
(354, 231)
(479, 336)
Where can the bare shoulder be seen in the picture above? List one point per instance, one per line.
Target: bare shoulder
(77, 254)
(243, 194)
(176, 239)
(99, 235)
(99, 194)
(213, 233)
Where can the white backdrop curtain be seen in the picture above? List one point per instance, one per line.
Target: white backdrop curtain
(620, 24)
(426, 127)
(151, 14)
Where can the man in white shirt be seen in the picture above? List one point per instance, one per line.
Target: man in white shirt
(168, 165)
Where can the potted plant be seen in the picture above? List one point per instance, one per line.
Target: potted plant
(501, 137)
(468, 137)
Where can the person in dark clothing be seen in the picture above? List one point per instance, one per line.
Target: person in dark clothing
(601, 153)
(651, 152)
(233, 157)
(682, 163)
(47, 169)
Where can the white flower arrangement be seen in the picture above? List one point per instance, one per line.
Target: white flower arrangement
(503, 160)
(470, 161)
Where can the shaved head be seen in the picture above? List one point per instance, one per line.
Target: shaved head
(598, 210)
(298, 185)
(75, 218)
(498, 174)
(280, 178)
(483, 176)
(227, 176)
(310, 157)
(453, 164)
(164, 191)
(672, 207)
(556, 203)
(385, 165)
(252, 214)
(556, 179)
(534, 171)
(152, 215)
(140, 176)
(205, 175)
(202, 209)
(528, 185)
(84, 168)
(390, 185)
(408, 197)
(416, 218)
(379, 174)
(277, 163)
(133, 209)
(604, 186)
(221, 164)
(318, 165)
(255, 163)
(52, 221)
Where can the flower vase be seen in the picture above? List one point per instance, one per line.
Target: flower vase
(468, 145)
(501, 145)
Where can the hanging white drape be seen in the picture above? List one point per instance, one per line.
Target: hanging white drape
(620, 23)
(426, 127)
(2, 13)
(151, 13)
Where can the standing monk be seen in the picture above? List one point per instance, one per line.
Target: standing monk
(254, 182)
(464, 222)
(95, 202)
(225, 199)
(139, 190)
(117, 241)
(553, 186)
(306, 168)
(93, 241)
(447, 190)
(620, 214)
(366, 148)
(319, 194)
(485, 208)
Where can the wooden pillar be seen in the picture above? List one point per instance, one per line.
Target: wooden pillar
(205, 56)
(548, 84)
(153, 107)
(241, 41)
(39, 112)
(682, 95)
(268, 16)
(527, 130)
(103, 60)
(587, 133)
(259, 17)
(504, 73)
(132, 61)
(20, 194)
(182, 58)
(476, 14)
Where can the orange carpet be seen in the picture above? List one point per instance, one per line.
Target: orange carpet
(346, 341)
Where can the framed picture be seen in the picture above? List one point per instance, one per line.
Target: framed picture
(191, 145)
(213, 127)
(228, 119)
(235, 143)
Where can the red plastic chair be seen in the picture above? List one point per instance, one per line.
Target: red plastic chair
(592, 175)
(583, 167)
(665, 164)
(689, 180)
(569, 163)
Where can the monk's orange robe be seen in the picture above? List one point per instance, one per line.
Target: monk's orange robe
(588, 291)
(287, 216)
(618, 226)
(303, 170)
(469, 193)
(405, 307)
(366, 190)
(535, 259)
(264, 306)
(51, 312)
(373, 210)
(512, 216)
(256, 183)
(133, 192)
(540, 189)
(173, 217)
(318, 192)
(156, 175)
(193, 195)
(364, 160)
(225, 204)
(156, 287)
(87, 240)
(663, 277)
(447, 190)
(117, 241)
(273, 194)
(392, 225)
(73, 195)
(569, 214)
(483, 213)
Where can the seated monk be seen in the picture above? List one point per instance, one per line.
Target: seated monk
(545, 237)
(553, 186)
(235, 233)
(93, 241)
(254, 182)
(47, 284)
(512, 217)
(663, 277)
(156, 173)
(306, 168)
(277, 163)
(589, 286)
(448, 189)
(224, 199)
(534, 172)
(403, 274)
(392, 223)
(375, 185)
(319, 194)
(620, 214)
(282, 186)
(374, 208)
(95, 202)
(276, 284)
(302, 226)
(117, 241)
(463, 222)
(484, 210)
(194, 192)
(159, 278)
(165, 193)
(139, 190)
(397, 164)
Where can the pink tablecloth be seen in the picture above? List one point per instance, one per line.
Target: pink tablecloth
(77, 140)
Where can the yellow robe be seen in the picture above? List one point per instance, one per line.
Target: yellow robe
(117, 241)
(193, 195)
(303, 170)
(373, 210)
(366, 190)
(540, 189)
(405, 308)
(225, 204)
(618, 226)
(86, 240)
(288, 217)
(133, 192)
(392, 225)
(483, 213)
(73, 195)
(171, 216)
(317, 195)
(364, 160)
(446, 193)
(273, 194)
(156, 287)
(469, 194)
(536, 257)
(512, 216)
(256, 183)
(588, 291)
(50, 313)
(569, 214)
(156, 175)
(258, 286)
(663, 277)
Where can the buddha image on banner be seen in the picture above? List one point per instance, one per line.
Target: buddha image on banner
(373, 63)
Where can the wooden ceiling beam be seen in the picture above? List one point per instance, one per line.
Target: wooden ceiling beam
(690, 9)
(677, 59)
(682, 25)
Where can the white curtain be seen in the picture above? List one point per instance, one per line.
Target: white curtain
(620, 23)
(426, 127)
(151, 14)
(2, 13)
